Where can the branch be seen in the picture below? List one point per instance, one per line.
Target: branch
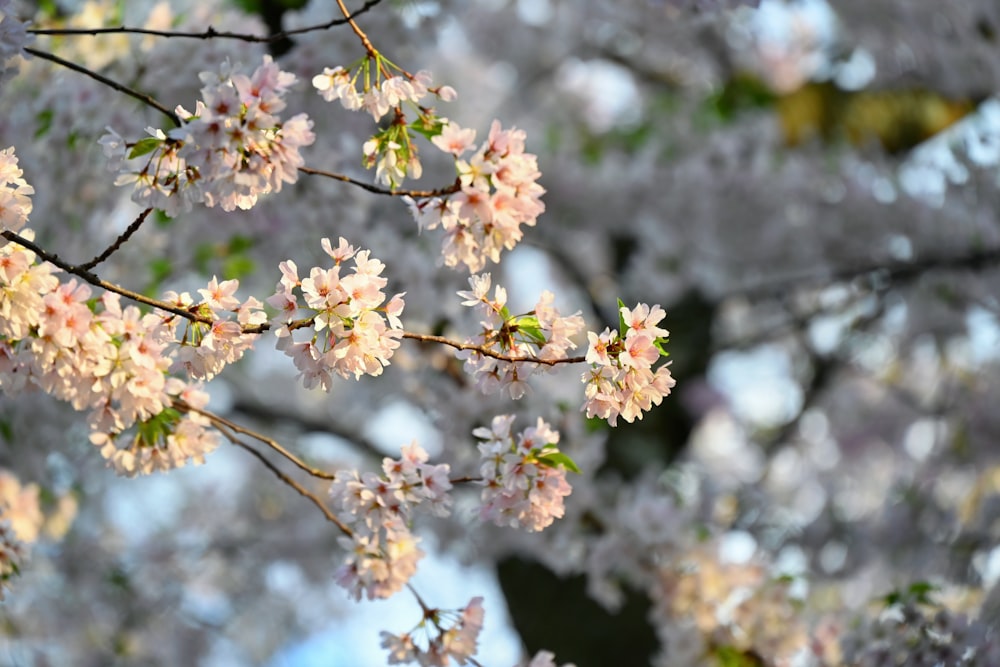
(218, 421)
(210, 33)
(330, 516)
(486, 352)
(383, 191)
(899, 272)
(119, 242)
(142, 97)
(103, 284)
(96, 281)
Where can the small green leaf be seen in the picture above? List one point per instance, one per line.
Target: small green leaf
(659, 343)
(44, 120)
(237, 267)
(622, 327)
(144, 146)
(6, 430)
(554, 459)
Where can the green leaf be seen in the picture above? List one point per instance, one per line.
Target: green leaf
(237, 267)
(44, 120)
(240, 243)
(622, 327)
(6, 430)
(659, 343)
(554, 459)
(161, 219)
(144, 146)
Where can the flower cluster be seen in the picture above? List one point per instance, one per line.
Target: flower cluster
(706, 603)
(622, 380)
(350, 334)
(15, 193)
(498, 192)
(542, 333)
(97, 356)
(524, 476)
(13, 38)
(207, 348)
(908, 634)
(390, 150)
(233, 148)
(450, 635)
(382, 552)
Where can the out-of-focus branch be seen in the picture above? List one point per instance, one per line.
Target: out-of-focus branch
(330, 516)
(219, 421)
(146, 99)
(210, 32)
(119, 242)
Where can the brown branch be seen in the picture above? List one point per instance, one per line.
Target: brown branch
(148, 100)
(876, 273)
(357, 30)
(451, 189)
(270, 442)
(94, 280)
(119, 242)
(330, 516)
(486, 352)
(210, 33)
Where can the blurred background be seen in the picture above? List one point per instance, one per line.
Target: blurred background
(810, 190)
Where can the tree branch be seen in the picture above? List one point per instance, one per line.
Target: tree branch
(209, 33)
(119, 242)
(148, 100)
(451, 189)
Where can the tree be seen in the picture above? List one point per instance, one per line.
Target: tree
(808, 194)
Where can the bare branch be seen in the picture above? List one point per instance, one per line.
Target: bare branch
(148, 100)
(218, 420)
(451, 189)
(330, 516)
(119, 242)
(210, 33)
(486, 352)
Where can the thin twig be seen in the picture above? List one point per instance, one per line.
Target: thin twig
(142, 97)
(103, 284)
(357, 30)
(210, 33)
(119, 242)
(451, 189)
(270, 442)
(96, 281)
(486, 352)
(330, 516)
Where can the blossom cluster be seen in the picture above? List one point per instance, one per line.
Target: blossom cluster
(378, 509)
(704, 602)
(390, 150)
(22, 522)
(497, 193)
(376, 98)
(15, 193)
(95, 355)
(110, 360)
(207, 348)
(524, 475)
(13, 38)
(542, 333)
(231, 149)
(353, 333)
(621, 380)
(450, 635)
